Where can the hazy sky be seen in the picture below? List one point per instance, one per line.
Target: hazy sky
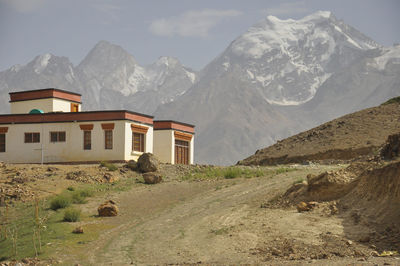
(193, 31)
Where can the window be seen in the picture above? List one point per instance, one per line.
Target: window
(2, 142)
(137, 142)
(32, 137)
(87, 140)
(57, 136)
(108, 135)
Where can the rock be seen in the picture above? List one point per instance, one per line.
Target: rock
(110, 178)
(147, 162)
(152, 178)
(132, 165)
(374, 253)
(303, 207)
(78, 230)
(391, 149)
(107, 209)
(365, 239)
(52, 169)
(349, 242)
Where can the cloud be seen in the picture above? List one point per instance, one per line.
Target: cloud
(24, 6)
(193, 23)
(291, 8)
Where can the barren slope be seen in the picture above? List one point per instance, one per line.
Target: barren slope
(350, 136)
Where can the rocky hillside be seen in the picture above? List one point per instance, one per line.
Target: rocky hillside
(347, 137)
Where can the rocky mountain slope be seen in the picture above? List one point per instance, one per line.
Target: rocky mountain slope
(281, 77)
(108, 78)
(347, 137)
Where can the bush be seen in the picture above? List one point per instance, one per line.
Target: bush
(232, 172)
(78, 198)
(60, 202)
(70, 188)
(109, 166)
(72, 215)
(85, 192)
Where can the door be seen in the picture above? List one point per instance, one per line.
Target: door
(181, 152)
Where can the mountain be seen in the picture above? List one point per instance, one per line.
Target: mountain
(357, 134)
(282, 77)
(278, 78)
(108, 78)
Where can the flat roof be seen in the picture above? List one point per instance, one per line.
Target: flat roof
(172, 124)
(47, 89)
(60, 117)
(44, 94)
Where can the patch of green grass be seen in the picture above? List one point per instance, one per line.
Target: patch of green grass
(215, 172)
(282, 170)
(60, 202)
(393, 100)
(72, 215)
(77, 198)
(109, 166)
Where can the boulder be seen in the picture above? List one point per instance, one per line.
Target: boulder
(391, 149)
(107, 209)
(110, 178)
(132, 165)
(152, 178)
(303, 207)
(147, 162)
(78, 230)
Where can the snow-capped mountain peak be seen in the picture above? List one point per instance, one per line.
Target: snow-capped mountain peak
(288, 60)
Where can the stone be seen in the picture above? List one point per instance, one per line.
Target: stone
(147, 162)
(110, 178)
(303, 207)
(132, 165)
(152, 178)
(108, 209)
(78, 230)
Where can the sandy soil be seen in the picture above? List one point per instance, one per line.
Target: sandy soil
(220, 222)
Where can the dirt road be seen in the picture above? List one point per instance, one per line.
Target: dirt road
(215, 222)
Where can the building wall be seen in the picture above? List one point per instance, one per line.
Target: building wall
(46, 105)
(69, 151)
(148, 146)
(164, 145)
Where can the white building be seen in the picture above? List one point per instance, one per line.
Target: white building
(48, 126)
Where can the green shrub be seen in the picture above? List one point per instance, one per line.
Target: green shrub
(70, 188)
(78, 198)
(232, 172)
(109, 166)
(87, 192)
(60, 202)
(72, 215)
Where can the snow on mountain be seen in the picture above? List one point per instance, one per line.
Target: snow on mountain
(107, 70)
(289, 59)
(281, 77)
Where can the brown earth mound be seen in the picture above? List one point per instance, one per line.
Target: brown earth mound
(345, 138)
(367, 197)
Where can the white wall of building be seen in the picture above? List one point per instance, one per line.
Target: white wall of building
(69, 151)
(46, 105)
(164, 145)
(148, 146)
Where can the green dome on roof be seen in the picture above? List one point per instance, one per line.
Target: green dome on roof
(36, 111)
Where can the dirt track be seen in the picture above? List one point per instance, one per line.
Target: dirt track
(218, 222)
